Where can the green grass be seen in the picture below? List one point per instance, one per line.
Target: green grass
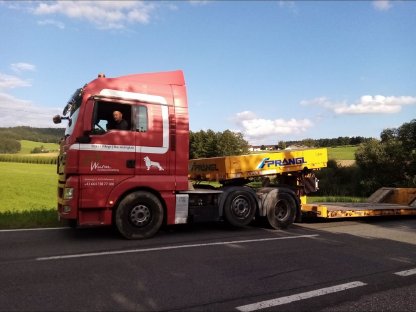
(28, 146)
(332, 199)
(29, 219)
(28, 195)
(342, 152)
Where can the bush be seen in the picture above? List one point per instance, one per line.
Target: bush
(9, 146)
(38, 150)
(340, 181)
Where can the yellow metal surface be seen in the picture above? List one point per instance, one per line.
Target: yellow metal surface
(351, 210)
(303, 199)
(245, 166)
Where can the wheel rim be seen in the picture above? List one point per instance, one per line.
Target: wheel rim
(140, 215)
(240, 207)
(281, 210)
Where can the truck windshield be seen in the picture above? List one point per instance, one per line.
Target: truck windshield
(71, 122)
(74, 102)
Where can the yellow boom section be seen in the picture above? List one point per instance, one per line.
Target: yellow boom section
(245, 166)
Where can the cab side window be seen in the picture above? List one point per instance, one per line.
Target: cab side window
(105, 117)
(141, 119)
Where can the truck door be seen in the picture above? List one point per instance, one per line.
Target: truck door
(109, 156)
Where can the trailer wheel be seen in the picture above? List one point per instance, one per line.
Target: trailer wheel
(139, 215)
(281, 211)
(239, 208)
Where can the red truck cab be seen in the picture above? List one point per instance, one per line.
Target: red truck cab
(141, 167)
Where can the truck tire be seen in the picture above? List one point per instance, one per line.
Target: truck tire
(281, 210)
(139, 215)
(239, 208)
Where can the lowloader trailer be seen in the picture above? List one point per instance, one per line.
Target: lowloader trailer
(124, 161)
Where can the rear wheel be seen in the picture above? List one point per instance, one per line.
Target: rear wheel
(139, 215)
(281, 211)
(239, 208)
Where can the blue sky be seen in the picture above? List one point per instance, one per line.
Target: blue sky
(273, 70)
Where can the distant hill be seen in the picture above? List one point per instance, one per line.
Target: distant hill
(45, 135)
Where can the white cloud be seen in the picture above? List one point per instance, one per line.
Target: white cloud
(55, 23)
(255, 128)
(376, 105)
(20, 67)
(10, 82)
(367, 104)
(287, 4)
(103, 14)
(382, 5)
(320, 101)
(198, 2)
(16, 112)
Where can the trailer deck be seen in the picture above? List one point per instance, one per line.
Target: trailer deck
(350, 210)
(386, 201)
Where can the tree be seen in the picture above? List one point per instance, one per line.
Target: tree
(406, 133)
(48, 135)
(308, 142)
(388, 135)
(231, 143)
(281, 145)
(212, 144)
(391, 161)
(197, 146)
(9, 146)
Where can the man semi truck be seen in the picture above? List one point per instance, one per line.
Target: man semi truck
(138, 179)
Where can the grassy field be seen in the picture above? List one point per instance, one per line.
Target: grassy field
(25, 155)
(28, 146)
(342, 152)
(28, 193)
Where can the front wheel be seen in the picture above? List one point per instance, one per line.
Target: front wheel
(281, 211)
(139, 215)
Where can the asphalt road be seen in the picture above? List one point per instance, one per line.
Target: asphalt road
(331, 266)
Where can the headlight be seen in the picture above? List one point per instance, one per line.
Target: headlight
(68, 193)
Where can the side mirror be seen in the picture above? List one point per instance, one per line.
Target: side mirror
(57, 119)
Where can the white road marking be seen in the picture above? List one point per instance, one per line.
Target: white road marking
(36, 229)
(118, 252)
(297, 297)
(406, 273)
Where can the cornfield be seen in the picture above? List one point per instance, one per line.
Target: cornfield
(45, 160)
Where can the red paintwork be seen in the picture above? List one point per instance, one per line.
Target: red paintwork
(97, 192)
